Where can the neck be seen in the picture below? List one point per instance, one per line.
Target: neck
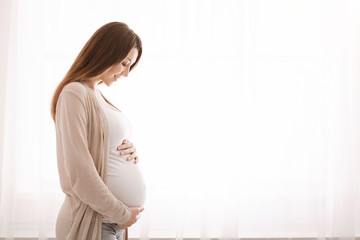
(92, 84)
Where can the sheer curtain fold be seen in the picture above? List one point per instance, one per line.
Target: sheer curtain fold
(4, 46)
(342, 130)
(255, 106)
(7, 65)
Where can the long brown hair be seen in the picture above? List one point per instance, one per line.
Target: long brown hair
(109, 45)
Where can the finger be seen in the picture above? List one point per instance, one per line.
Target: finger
(125, 141)
(136, 160)
(140, 209)
(128, 151)
(131, 157)
(125, 146)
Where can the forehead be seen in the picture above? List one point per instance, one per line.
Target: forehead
(132, 55)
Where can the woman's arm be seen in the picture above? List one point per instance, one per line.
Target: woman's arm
(76, 166)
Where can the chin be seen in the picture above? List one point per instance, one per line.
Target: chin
(108, 83)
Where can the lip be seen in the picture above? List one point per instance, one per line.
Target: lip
(117, 76)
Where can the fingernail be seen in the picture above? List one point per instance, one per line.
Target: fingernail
(128, 158)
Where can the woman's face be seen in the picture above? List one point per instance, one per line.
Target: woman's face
(113, 73)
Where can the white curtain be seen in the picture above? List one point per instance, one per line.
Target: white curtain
(246, 114)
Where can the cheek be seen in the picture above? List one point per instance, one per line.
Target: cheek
(118, 69)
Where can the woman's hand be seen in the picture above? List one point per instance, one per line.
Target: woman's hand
(134, 216)
(128, 148)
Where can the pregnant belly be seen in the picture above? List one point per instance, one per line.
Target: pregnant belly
(126, 182)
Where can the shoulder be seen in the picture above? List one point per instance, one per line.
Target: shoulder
(74, 92)
(76, 88)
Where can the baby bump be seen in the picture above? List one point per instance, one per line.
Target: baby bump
(127, 183)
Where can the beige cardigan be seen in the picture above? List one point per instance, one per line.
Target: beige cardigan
(82, 141)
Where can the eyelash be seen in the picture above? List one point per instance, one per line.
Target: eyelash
(125, 64)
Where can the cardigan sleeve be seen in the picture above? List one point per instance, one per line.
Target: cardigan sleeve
(77, 170)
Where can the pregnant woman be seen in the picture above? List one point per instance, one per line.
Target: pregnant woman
(97, 164)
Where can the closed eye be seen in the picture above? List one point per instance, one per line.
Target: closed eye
(125, 64)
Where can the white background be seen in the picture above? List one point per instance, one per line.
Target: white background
(245, 114)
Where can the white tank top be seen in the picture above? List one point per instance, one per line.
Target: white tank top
(124, 178)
